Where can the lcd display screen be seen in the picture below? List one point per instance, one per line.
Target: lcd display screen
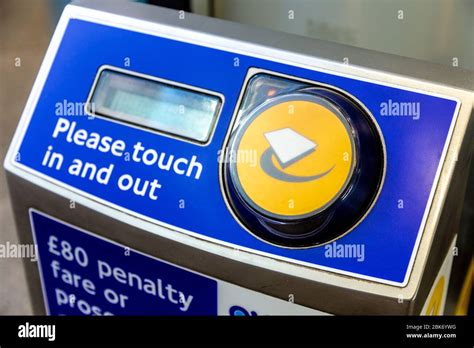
(155, 105)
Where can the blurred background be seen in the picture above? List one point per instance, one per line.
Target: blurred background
(439, 31)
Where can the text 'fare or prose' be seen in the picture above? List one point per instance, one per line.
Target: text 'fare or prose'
(65, 253)
(103, 174)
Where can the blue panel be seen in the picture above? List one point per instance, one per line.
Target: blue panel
(86, 275)
(388, 234)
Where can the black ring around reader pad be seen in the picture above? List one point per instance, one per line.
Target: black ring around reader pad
(347, 210)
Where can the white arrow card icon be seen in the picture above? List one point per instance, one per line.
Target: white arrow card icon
(289, 146)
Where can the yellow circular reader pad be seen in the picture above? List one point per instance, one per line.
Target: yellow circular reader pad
(302, 159)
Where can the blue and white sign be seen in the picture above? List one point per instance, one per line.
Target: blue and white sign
(84, 274)
(174, 182)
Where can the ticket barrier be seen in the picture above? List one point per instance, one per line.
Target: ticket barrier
(170, 164)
